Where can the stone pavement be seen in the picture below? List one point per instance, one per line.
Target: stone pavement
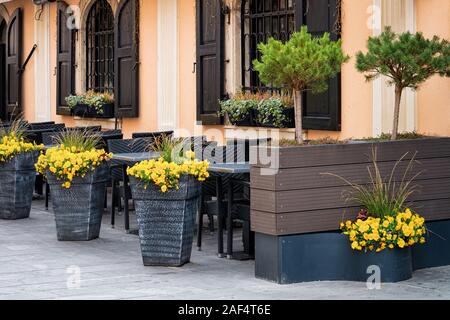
(33, 265)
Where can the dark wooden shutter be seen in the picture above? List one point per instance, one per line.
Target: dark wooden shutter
(65, 67)
(14, 63)
(321, 111)
(210, 60)
(126, 59)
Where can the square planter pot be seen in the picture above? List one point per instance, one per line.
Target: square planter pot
(17, 179)
(86, 111)
(79, 210)
(166, 221)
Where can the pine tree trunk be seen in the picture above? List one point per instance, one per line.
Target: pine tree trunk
(298, 116)
(398, 100)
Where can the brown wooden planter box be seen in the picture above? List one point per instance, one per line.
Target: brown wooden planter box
(299, 199)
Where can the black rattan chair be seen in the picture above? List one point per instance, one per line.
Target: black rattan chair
(110, 135)
(153, 135)
(88, 128)
(41, 125)
(118, 174)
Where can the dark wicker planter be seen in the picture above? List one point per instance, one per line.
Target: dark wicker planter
(166, 221)
(86, 111)
(17, 179)
(79, 210)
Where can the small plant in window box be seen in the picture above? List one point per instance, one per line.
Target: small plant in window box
(92, 105)
(261, 109)
(276, 111)
(239, 110)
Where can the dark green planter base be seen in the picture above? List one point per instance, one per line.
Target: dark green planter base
(324, 257)
(436, 252)
(79, 210)
(17, 179)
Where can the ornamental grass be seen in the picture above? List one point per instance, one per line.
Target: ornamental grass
(75, 156)
(386, 195)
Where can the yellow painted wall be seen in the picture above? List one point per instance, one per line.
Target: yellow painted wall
(433, 99)
(147, 120)
(356, 93)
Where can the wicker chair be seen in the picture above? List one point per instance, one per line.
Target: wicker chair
(153, 135)
(41, 125)
(214, 154)
(110, 135)
(240, 194)
(118, 174)
(88, 128)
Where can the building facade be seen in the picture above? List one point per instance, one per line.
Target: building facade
(168, 62)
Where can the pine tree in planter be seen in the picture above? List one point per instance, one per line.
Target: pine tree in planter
(408, 60)
(302, 63)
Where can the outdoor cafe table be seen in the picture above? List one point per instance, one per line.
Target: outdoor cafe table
(219, 170)
(126, 160)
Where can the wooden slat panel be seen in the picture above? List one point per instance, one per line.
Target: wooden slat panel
(313, 177)
(332, 197)
(329, 220)
(264, 222)
(354, 153)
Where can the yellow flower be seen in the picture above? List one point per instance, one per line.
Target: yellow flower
(403, 230)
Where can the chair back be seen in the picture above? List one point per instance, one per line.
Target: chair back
(49, 138)
(110, 135)
(242, 147)
(41, 125)
(88, 128)
(154, 135)
(116, 146)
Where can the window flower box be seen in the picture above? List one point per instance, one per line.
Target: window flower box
(92, 105)
(87, 111)
(259, 110)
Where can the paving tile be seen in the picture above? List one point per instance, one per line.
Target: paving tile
(34, 265)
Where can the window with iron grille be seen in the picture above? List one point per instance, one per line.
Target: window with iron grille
(100, 48)
(261, 20)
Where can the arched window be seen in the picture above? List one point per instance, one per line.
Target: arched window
(100, 47)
